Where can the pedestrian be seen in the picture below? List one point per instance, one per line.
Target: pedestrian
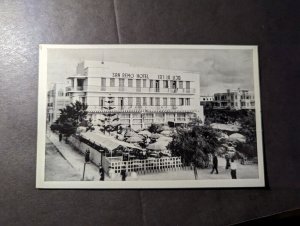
(233, 167)
(123, 173)
(87, 155)
(111, 173)
(227, 161)
(195, 172)
(215, 164)
(102, 173)
(60, 137)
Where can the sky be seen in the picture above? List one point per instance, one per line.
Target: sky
(218, 69)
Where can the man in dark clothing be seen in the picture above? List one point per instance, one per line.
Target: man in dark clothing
(101, 172)
(215, 164)
(87, 155)
(227, 161)
(123, 173)
(60, 137)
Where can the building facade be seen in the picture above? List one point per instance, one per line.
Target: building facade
(139, 96)
(57, 99)
(234, 99)
(207, 101)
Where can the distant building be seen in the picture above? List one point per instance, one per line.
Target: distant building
(207, 101)
(139, 96)
(234, 99)
(57, 99)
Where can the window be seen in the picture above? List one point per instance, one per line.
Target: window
(174, 86)
(151, 83)
(121, 102)
(180, 84)
(165, 84)
(138, 85)
(121, 82)
(188, 84)
(144, 83)
(181, 102)
(243, 104)
(145, 101)
(165, 101)
(187, 101)
(130, 99)
(112, 82)
(130, 82)
(60, 93)
(138, 101)
(103, 82)
(173, 102)
(157, 101)
(151, 101)
(101, 101)
(157, 86)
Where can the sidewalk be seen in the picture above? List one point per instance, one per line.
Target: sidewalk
(74, 158)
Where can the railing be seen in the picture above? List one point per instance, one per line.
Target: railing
(142, 165)
(94, 88)
(140, 108)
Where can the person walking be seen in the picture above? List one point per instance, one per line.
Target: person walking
(60, 137)
(111, 173)
(87, 155)
(123, 173)
(233, 167)
(227, 161)
(215, 164)
(102, 173)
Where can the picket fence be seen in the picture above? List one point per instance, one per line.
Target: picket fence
(142, 165)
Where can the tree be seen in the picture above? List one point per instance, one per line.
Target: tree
(71, 116)
(155, 128)
(110, 120)
(194, 144)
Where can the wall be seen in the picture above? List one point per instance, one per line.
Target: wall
(95, 156)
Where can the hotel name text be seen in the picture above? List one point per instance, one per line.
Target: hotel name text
(145, 76)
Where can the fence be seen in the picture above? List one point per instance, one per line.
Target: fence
(142, 166)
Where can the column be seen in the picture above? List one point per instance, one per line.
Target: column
(75, 84)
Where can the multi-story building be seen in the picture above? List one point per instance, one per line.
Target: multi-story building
(140, 96)
(206, 101)
(234, 99)
(57, 99)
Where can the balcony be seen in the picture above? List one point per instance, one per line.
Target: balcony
(126, 89)
(139, 108)
(78, 89)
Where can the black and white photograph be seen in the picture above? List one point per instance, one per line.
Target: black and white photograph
(149, 116)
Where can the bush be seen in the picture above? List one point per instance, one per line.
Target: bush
(155, 128)
(249, 150)
(55, 127)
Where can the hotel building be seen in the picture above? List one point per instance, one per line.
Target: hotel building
(139, 96)
(234, 99)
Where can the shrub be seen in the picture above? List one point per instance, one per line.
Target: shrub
(155, 128)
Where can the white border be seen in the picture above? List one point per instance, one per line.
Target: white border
(218, 183)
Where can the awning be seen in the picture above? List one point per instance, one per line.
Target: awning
(107, 142)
